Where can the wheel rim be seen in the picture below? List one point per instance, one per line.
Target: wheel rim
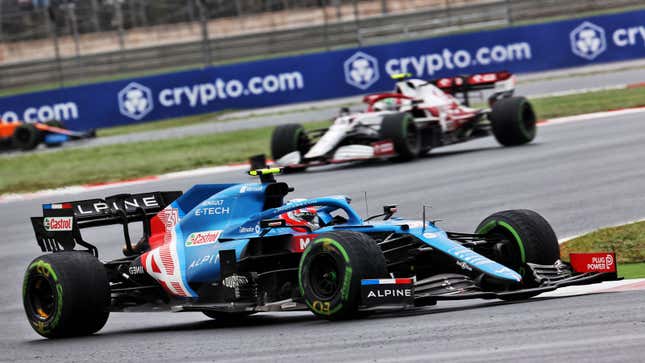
(324, 276)
(41, 298)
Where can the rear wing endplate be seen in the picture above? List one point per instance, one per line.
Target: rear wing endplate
(59, 227)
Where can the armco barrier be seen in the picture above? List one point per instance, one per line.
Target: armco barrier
(531, 48)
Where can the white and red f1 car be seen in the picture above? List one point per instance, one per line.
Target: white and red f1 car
(418, 116)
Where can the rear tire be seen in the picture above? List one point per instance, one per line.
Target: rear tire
(529, 238)
(331, 270)
(513, 120)
(66, 294)
(402, 131)
(26, 137)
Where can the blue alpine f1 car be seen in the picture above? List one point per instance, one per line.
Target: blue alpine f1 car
(230, 250)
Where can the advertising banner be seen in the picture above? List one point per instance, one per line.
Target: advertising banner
(318, 76)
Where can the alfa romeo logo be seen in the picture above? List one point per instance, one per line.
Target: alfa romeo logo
(361, 70)
(135, 101)
(588, 40)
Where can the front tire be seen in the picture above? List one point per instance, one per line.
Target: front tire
(66, 294)
(513, 121)
(526, 237)
(401, 129)
(331, 270)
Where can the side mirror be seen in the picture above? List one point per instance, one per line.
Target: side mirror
(273, 223)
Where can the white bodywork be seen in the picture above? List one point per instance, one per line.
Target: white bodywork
(422, 94)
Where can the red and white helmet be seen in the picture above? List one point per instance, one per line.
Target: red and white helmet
(307, 217)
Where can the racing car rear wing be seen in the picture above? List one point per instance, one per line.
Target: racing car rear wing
(59, 227)
(502, 82)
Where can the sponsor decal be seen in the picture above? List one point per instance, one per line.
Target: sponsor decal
(251, 188)
(136, 270)
(593, 262)
(130, 204)
(383, 148)
(204, 260)
(217, 202)
(212, 211)
(300, 243)
(63, 111)
(202, 238)
(396, 292)
(449, 59)
(588, 40)
(361, 70)
(135, 101)
(430, 235)
(255, 229)
(235, 281)
(58, 224)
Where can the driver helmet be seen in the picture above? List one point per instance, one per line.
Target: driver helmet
(386, 104)
(302, 217)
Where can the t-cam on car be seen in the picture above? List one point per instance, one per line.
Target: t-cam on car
(417, 117)
(230, 250)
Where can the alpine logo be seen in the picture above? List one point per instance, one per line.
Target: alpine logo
(361, 70)
(588, 41)
(58, 224)
(135, 101)
(202, 238)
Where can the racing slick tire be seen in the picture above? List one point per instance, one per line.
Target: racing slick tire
(525, 237)
(331, 270)
(66, 294)
(513, 121)
(26, 137)
(402, 131)
(287, 139)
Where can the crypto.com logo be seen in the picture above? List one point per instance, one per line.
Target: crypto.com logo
(135, 101)
(588, 40)
(361, 70)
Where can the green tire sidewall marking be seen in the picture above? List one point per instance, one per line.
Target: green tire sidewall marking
(520, 244)
(346, 282)
(44, 266)
(487, 227)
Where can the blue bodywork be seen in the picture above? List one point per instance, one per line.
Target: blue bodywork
(233, 212)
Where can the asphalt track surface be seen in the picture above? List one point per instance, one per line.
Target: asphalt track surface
(580, 176)
(529, 85)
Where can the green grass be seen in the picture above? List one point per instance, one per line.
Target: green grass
(125, 161)
(559, 106)
(627, 241)
(158, 125)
